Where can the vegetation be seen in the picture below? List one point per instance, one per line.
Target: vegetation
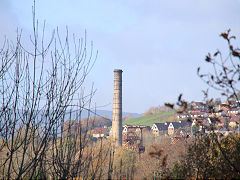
(149, 120)
(157, 109)
(208, 157)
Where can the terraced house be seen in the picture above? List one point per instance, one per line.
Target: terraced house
(168, 128)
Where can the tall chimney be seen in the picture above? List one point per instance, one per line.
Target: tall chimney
(117, 108)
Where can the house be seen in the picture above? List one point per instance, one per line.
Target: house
(222, 131)
(181, 133)
(159, 128)
(179, 136)
(185, 123)
(223, 107)
(201, 124)
(222, 121)
(193, 114)
(233, 111)
(135, 129)
(132, 138)
(233, 103)
(172, 127)
(169, 127)
(124, 129)
(99, 132)
(183, 115)
(197, 114)
(200, 106)
(225, 121)
(234, 121)
(218, 114)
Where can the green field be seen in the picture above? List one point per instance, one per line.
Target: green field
(150, 119)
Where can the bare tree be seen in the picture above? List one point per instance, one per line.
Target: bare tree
(224, 77)
(39, 88)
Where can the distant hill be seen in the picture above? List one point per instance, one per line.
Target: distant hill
(108, 114)
(148, 120)
(102, 113)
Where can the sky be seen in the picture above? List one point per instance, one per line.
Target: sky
(158, 44)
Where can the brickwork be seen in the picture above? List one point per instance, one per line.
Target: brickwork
(117, 108)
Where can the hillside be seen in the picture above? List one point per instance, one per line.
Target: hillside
(101, 113)
(150, 119)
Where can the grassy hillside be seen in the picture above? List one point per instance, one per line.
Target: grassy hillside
(150, 119)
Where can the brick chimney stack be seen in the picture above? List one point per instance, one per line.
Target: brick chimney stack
(117, 108)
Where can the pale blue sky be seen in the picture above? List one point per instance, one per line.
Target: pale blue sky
(158, 44)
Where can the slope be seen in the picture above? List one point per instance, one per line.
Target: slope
(153, 118)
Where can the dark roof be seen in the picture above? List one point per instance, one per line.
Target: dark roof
(202, 104)
(235, 118)
(223, 119)
(196, 112)
(161, 126)
(134, 127)
(185, 123)
(223, 129)
(235, 109)
(176, 125)
(180, 132)
(181, 124)
(147, 128)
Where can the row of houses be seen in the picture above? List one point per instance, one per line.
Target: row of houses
(169, 128)
(157, 129)
(223, 118)
(226, 124)
(198, 114)
(201, 110)
(226, 115)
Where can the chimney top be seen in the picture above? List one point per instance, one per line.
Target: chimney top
(118, 70)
